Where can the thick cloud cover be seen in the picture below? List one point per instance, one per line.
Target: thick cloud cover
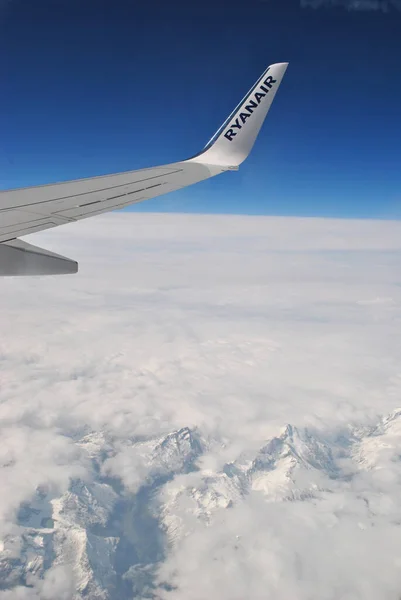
(233, 327)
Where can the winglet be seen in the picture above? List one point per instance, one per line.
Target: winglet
(233, 142)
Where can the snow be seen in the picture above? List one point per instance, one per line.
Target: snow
(291, 465)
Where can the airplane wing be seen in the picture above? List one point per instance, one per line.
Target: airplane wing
(28, 210)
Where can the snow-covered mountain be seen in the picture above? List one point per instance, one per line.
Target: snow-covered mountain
(113, 532)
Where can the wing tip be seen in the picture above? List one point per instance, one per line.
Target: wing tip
(233, 141)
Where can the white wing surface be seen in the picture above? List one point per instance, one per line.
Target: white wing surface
(28, 210)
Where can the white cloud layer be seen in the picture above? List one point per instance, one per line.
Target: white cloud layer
(232, 327)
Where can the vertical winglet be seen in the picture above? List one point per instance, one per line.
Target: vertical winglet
(233, 142)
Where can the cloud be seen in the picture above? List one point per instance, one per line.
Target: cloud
(331, 535)
(355, 5)
(282, 550)
(143, 404)
(58, 582)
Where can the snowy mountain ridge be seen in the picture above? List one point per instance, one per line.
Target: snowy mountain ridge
(113, 532)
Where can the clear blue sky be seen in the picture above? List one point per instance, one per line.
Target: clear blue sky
(91, 87)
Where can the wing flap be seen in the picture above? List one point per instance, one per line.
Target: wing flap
(20, 258)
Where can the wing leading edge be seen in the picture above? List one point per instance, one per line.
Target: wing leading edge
(28, 210)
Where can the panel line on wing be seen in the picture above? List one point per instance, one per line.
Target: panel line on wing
(26, 231)
(57, 212)
(28, 219)
(29, 204)
(100, 210)
(89, 203)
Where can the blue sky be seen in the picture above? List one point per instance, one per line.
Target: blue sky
(94, 87)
